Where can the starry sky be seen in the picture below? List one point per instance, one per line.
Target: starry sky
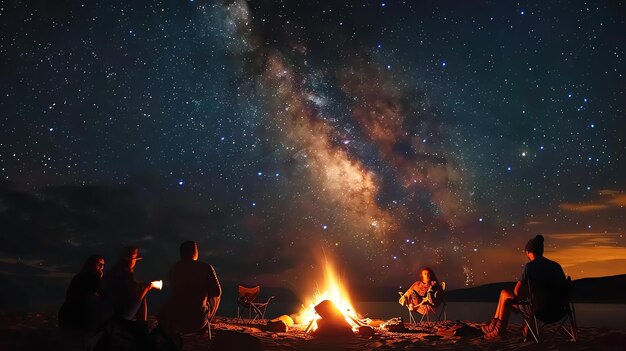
(383, 135)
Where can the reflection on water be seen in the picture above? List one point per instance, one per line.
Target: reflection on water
(587, 315)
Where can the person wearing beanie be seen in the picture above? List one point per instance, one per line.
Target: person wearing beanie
(538, 269)
(535, 245)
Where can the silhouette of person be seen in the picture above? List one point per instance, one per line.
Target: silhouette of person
(424, 293)
(122, 296)
(80, 312)
(195, 293)
(540, 270)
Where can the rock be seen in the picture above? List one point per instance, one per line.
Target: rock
(285, 319)
(366, 330)
(276, 326)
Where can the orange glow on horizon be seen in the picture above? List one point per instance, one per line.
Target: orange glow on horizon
(585, 255)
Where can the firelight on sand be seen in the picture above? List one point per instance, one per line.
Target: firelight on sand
(331, 290)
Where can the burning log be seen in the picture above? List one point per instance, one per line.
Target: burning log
(332, 321)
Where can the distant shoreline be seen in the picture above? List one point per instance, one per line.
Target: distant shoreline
(603, 290)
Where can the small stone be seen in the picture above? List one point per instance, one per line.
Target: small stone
(366, 330)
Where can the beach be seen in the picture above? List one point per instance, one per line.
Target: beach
(39, 331)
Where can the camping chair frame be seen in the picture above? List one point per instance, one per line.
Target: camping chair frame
(249, 298)
(535, 325)
(430, 309)
(208, 328)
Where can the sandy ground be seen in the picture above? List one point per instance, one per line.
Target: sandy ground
(36, 331)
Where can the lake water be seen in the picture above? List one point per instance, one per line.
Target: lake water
(587, 315)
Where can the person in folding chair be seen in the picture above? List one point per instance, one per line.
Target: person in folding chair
(543, 281)
(424, 296)
(195, 294)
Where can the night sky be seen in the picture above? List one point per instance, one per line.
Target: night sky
(385, 135)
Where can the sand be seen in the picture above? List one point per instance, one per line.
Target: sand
(36, 331)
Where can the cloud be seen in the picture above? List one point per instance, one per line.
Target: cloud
(579, 252)
(609, 199)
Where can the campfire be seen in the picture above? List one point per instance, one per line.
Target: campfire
(330, 311)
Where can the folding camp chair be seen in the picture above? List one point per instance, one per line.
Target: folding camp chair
(548, 303)
(437, 308)
(432, 307)
(249, 298)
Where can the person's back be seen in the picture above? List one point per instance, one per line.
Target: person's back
(543, 269)
(190, 286)
(194, 296)
(548, 287)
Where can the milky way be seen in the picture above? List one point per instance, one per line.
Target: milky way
(388, 135)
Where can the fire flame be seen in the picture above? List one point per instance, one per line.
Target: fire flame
(333, 291)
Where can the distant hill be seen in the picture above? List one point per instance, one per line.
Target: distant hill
(487, 292)
(601, 290)
(591, 290)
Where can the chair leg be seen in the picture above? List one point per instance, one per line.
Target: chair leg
(573, 328)
(240, 314)
(256, 314)
(411, 318)
(573, 323)
(425, 315)
(442, 312)
(533, 328)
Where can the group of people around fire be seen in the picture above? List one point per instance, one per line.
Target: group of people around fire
(97, 303)
(95, 300)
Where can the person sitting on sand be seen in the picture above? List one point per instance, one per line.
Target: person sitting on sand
(195, 293)
(80, 313)
(423, 294)
(539, 270)
(122, 296)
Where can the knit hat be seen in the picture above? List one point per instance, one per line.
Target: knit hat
(535, 245)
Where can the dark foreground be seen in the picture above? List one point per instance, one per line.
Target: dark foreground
(35, 331)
